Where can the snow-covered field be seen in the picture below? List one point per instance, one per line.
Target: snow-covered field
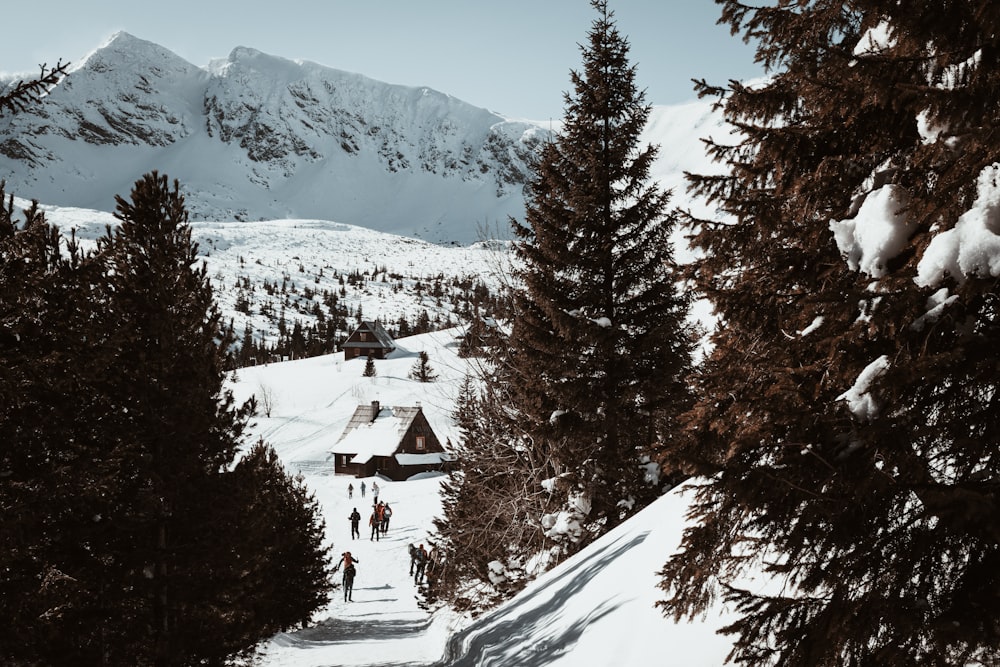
(304, 260)
(596, 609)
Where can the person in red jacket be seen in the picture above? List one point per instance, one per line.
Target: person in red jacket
(348, 561)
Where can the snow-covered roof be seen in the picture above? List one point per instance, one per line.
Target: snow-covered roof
(366, 437)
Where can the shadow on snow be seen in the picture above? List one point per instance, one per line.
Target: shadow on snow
(518, 634)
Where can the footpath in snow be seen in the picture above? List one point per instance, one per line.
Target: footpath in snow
(384, 624)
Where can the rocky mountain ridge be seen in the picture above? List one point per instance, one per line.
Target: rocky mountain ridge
(255, 136)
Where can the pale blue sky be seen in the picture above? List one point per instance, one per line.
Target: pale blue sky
(512, 57)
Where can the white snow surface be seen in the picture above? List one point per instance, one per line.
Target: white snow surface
(596, 609)
(972, 247)
(877, 233)
(861, 403)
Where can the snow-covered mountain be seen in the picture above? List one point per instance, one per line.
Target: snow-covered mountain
(284, 165)
(256, 136)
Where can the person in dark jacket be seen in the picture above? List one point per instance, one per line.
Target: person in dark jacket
(386, 513)
(355, 519)
(421, 558)
(413, 556)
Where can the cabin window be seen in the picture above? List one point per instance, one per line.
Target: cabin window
(364, 336)
(357, 352)
(421, 443)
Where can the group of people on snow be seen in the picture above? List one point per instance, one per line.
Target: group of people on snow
(350, 489)
(422, 561)
(379, 520)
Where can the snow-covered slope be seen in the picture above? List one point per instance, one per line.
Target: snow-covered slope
(257, 137)
(595, 609)
(268, 274)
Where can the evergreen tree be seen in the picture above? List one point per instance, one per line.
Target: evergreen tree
(480, 336)
(402, 327)
(489, 529)
(26, 94)
(422, 370)
(562, 447)
(186, 429)
(423, 323)
(116, 450)
(59, 477)
(846, 425)
(274, 528)
(369, 371)
(599, 343)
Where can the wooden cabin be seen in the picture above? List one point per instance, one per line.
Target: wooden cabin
(370, 339)
(396, 442)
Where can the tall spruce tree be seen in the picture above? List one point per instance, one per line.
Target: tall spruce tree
(575, 399)
(117, 492)
(599, 344)
(270, 528)
(489, 530)
(58, 482)
(186, 431)
(186, 434)
(846, 425)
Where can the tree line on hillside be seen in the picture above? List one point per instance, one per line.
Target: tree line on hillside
(332, 319)
(840, 432)
(133, 531)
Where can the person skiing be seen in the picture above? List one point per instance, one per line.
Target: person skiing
(348, 561)
(418, 573)
(350, 490)
(355, 519)
(375, 491)
(362, 488)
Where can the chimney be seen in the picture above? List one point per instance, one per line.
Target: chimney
(375, 410)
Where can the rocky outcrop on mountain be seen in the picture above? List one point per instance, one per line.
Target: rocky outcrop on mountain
(256, 136)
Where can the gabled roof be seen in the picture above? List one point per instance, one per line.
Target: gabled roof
(366, 437)
(382, 337)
